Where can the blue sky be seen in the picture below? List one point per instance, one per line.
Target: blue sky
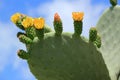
(14, 68)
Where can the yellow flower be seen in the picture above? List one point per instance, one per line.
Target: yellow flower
(77, 16)
(15, 17)
(27, 22)
(39, 23)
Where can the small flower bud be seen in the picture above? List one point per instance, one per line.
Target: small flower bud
(57, 17)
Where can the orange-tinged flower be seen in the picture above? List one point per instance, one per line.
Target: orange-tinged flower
(56, 17)
(15, 17)
(39, 23)
(77, 16)
(27, 22)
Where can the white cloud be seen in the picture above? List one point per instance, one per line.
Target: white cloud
(27, 74)
(7, 40)
(23, 68)
(65, 9)
(8, 50)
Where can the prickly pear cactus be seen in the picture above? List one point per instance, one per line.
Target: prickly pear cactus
(58, 55)
(109, 28)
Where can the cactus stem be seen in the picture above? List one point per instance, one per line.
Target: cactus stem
(23, 54)
(18, 24)
(30, 32)
(40, 33)
(58, 28)
(92, 34)
(57, 25)
(78, 28)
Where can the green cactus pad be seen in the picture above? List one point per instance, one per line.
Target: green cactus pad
(66, 58)
(109, 28)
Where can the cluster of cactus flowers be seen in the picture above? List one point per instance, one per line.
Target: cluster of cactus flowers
(29, 25)
(36, 27)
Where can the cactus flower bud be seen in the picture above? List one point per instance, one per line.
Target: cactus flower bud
(57, 24)
(57, 17)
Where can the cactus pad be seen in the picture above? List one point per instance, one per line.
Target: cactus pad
(58, 55)
(66, 58)
(109, 28)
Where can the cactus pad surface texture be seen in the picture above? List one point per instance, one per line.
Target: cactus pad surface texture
(66, 58)
(57, 55)
(109, 28)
